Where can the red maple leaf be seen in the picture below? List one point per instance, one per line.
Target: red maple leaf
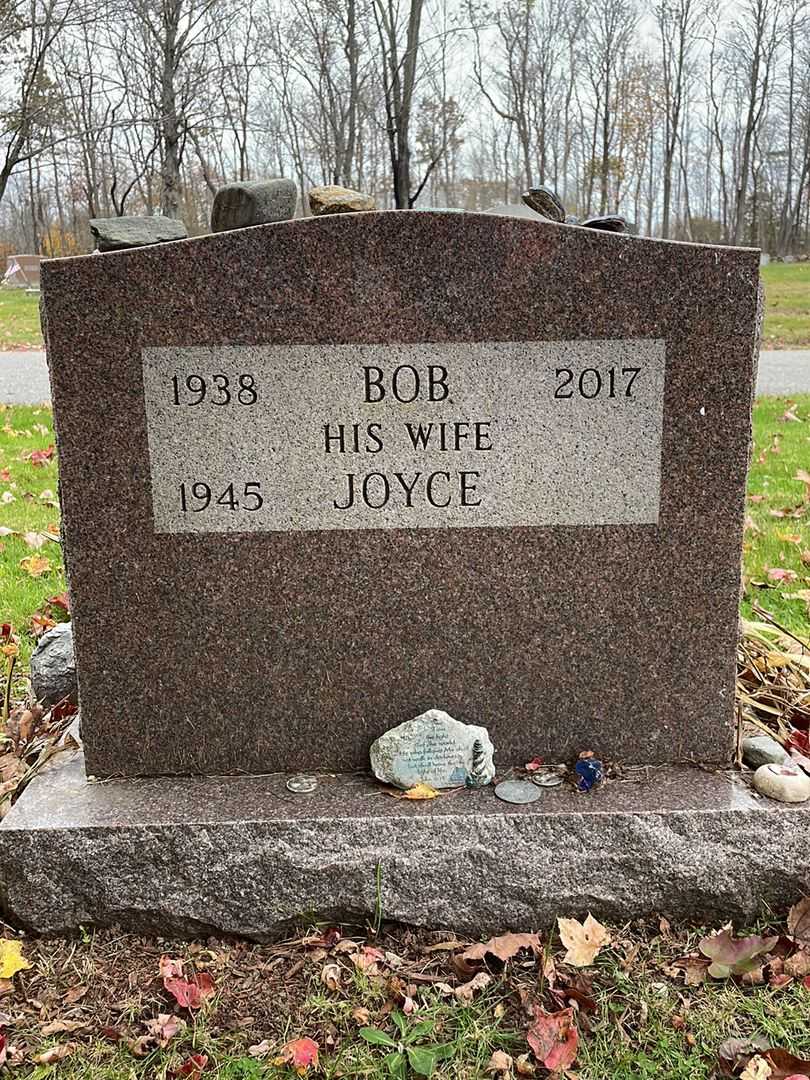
(192, 1067)
(553, 1038)
(190, 994)
(41, 457)
(301, 1053)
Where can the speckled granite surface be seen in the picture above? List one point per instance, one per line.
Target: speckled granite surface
(285, 651)
(242, 855)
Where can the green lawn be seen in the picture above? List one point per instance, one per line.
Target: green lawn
(638, 1016)
(787, 311)
(19, 319)
(787, 306)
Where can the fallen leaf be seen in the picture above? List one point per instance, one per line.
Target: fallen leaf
(60, 1027)
(785, 1065)
(533, 765)
(418, 791)
(583, 941)
(756, 1069)
(61, 600)
(553, 1038)
(300, 1053)
(168, 968)
(504, 947)
(35, 565)
(11, 958)
(798, 922)
(8, 497)
(164, 1027)
(467, 991)
(331, 976)
(260, 1050)
(778, 573)
(74, 994)
(734, 956)
(191, 994)
(500, 1062)
(5, 475)
(55, 1054)
(361, 1016)
(192, 1067)
(41, 457)
(524, 1066)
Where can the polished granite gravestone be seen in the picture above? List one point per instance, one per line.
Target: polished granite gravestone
(322, 475)
(280, 545)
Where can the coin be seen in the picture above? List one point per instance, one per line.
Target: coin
(302, 785)
(547, 778)
(517, 791)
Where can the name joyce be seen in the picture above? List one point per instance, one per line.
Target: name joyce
(439, 488)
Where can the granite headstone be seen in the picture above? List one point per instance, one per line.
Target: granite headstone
(320, 475)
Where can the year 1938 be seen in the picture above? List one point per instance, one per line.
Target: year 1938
(216, 389)
(591, 382)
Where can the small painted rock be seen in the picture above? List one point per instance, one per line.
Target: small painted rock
(571, 219)
(763, 750)
(590, 772)
(544, 201)
(786, 783)
(612, 223)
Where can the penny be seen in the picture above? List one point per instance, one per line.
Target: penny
(517, 791)
(302, 784)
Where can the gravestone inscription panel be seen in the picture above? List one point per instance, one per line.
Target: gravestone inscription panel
(319, 476)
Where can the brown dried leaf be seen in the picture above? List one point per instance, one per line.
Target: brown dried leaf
(798, 922)
(55, 1054)
(583, 941)
(503, 947)
(467, 991)
(500, 1063)
(331, 976)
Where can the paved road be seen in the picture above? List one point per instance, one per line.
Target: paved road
(24, 376)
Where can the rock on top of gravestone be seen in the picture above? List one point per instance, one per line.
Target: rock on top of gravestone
(118, 233)
(433, 749)
(338, 200)
(253, 202)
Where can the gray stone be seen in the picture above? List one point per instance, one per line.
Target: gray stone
(331, 199)
(242, 855)
(785, 783)
(118, 233)
(546, 202)
(612, 223)
(53, 666)
(433, 749)
(253, 202)
(763, 750)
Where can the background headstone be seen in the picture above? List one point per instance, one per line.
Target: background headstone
(579, 589)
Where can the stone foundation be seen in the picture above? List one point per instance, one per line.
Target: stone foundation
(241, 855)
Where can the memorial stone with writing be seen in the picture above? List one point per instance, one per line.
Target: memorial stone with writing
(322, 474)
(433, 749)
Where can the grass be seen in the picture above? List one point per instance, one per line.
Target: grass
(29, 509)
(19, 319)
(781, 449)
(638, 1017)
(787, 306)
(787, 311)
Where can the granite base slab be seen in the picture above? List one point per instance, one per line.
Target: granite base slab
(242, 855)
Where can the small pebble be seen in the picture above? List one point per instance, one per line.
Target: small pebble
(785, 783)
(763, 750)
(610, 223)
(544, 201)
